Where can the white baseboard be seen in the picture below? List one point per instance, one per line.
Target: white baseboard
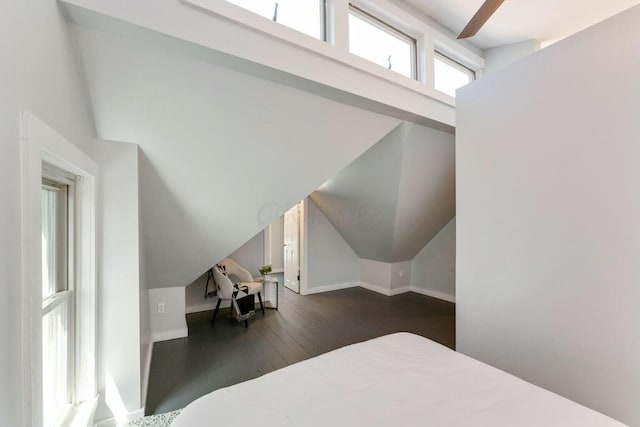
(207, 306)
(376, 288)
(399, 291)
(112, 422)
(369, 286)
(170, 335)
(434, 294)
(384, 291)
(334, 287)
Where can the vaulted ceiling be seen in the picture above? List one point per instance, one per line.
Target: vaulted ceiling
(517, 20)
(222, 153)
(391, 201)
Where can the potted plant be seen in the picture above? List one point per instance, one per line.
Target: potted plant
(265, 270)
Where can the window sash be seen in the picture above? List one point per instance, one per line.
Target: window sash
(58, 357)
(269, 14)
(41, 145)
(392, 31)
(455, 65)
(58, 305)
(55, 235)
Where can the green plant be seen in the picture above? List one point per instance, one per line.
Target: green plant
(265, 269)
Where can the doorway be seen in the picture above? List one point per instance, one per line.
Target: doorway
(292, 247)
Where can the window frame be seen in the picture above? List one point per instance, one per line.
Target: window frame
(39, 143)
(437, 54)
(391, 30)
(324, 20)
(327, 59)
(61, 180)
(57, 179)
(323, 24)
(53, 302)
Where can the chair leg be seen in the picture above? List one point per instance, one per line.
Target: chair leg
(261, 305)
(215, 312)
(246, 323)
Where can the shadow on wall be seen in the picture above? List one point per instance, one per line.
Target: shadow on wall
(433, 211)
(156, 200)
(391, 201)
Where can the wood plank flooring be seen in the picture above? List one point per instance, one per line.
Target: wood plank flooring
(217, 356)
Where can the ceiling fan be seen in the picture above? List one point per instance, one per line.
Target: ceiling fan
(480, 18)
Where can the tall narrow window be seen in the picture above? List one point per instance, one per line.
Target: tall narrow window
(306, 16)
(381, 44)
(451, 75)
(57, 295)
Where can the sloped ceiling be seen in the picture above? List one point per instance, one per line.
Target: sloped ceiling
(223, 153)
(360, 201)
(546, 21)
(391, 201)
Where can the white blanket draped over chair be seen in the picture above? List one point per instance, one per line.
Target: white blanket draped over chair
(232, 283)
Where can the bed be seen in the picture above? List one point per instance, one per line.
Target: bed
(395, 380)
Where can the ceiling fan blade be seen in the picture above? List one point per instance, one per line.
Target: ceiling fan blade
(482, 15)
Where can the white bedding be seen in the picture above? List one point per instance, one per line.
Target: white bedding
(396, 380)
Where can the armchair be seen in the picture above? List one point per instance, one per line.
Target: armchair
(226, 275)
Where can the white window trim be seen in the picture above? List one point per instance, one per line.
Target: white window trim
(303, 213)
(41, 143)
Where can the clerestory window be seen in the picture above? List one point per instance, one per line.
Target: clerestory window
(380, 43)
(306, 16)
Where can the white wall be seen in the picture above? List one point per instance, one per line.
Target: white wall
(392, 200)
(433, 270)
(273, 50)
(331, 263)
(206, 133)
(548, 224)
(194, 296)
(426, 189)
(146, 342)
(384, 277)
(251, 255)
(400, 277)
(375, 275)
(360, 200)
(172, 323)
(37, 73)
(276, 243)
(122, 347)
(499, 57)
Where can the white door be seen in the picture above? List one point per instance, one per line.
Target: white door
(292, 249)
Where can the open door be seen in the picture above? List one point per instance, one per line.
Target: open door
(292, 248)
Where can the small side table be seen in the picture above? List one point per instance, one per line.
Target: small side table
(271, 280)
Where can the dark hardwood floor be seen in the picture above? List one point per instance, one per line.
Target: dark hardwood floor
(217, 356)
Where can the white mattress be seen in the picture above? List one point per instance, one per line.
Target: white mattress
(396, 380)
